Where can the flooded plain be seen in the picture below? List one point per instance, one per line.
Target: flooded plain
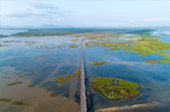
(40, 74)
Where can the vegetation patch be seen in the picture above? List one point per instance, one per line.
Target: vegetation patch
(150, 62)
(98, 62)
(53, 95)
(20, 76)
(76, 40)
(5, 100)
(129, 70)
(64, 79)
(15, 83)
(18, 103)
(32, 73)
(30, 86)
(74, 46)
(163, 61)
(114, 88)
(69, 77)
(78, 73)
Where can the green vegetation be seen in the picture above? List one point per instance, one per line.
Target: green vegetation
(163, 61)
(98, 62)
(64, 79)
(69, 77)
(30, 42)
(150, 62)
(114, 88)
(76, 40)
(129, 70)
(5, 100)
(142, 86)
(30, 86)
(78, 73)
(18, 103)
(73, 46)
(53, 95)
(20, 76)
(32, 73)
(15, 83)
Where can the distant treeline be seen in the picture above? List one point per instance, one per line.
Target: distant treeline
(67, 31)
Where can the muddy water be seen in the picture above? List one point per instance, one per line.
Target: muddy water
(36, 62)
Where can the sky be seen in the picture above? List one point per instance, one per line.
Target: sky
(84, 13)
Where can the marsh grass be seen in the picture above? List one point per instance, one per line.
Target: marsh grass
(15, 83)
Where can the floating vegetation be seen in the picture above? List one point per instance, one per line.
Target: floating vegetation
(5, 100)
(129, 70)
(76, 40)
(114, 88)
(150, 62)
(69, 77)
(53, 95)
(18, 103)
(15, 83)
(78, 72)
(64, 79)
(20, 76)
(30, 86)
(142, 86)
(98, 62)
(11, 41)
(32, 73)
(30, 42)
(163, 61)
(74, 46)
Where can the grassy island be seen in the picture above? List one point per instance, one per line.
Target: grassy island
(114, 88)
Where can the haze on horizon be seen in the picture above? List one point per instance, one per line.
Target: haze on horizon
(89, 13)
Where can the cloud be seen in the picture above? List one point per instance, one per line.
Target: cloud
(44, 6)
(40, 11)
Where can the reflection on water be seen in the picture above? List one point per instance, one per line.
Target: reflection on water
(29, 67)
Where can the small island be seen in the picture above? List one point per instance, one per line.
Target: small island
(114, 88)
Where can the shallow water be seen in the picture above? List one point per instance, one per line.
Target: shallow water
(40, 60)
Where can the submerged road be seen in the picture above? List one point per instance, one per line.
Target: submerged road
(83, 103)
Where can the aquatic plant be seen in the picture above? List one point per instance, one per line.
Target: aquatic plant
(15, 83)
(114, 88)
(98, 62)
(73, 46)
(32, 73)
(69, 77)
(5, 100)
(64, 79)
(150, 62)
(163, 61)
(76, 40)
(77, 75)
(30, 86)
(53, 95)
(18, 103)
(20, 76)
(129, 70)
